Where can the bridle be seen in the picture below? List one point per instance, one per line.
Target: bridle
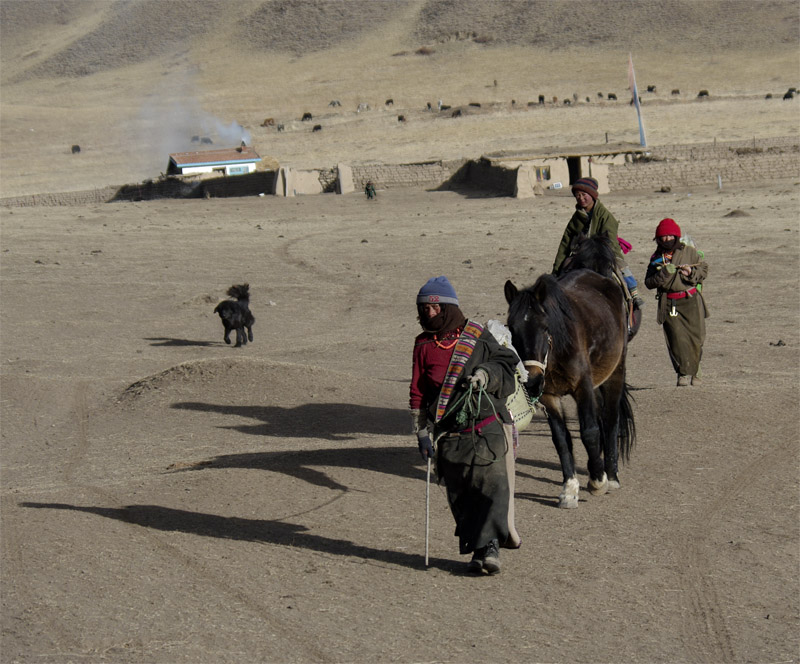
(540, 365)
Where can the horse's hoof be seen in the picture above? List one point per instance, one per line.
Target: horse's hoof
(568, 498)
(613, 485)
(568, 502)
(598, 488)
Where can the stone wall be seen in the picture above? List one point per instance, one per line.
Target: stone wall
(253, 184)
(758, 160)
(63, 198)
(397, 176)
(484, 175)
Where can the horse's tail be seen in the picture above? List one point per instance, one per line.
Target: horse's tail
(627, 426)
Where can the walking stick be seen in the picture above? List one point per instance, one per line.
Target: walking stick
(427, 509)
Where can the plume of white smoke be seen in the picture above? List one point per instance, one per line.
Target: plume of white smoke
(173, 120)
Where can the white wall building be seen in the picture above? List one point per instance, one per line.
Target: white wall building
(226, 161)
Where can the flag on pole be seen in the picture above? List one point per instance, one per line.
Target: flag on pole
(635, 93)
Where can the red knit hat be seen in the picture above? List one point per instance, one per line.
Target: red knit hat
(587, 185)
(667, 227)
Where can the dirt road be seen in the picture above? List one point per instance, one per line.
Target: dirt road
(168, 498)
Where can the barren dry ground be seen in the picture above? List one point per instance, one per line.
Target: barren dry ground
(168, 498)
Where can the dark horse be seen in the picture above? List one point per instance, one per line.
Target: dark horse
(595, 253)
(571, 334)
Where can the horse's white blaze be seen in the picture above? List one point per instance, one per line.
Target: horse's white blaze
(569, 494)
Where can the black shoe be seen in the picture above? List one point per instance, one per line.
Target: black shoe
(475, 566)
(491, 559)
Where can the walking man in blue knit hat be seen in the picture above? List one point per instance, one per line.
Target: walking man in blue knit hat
(460, 380)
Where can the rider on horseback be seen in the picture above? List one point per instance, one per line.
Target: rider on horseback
(591, 217)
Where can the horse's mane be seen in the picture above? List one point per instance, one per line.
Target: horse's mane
(551, 310)
(595, 253)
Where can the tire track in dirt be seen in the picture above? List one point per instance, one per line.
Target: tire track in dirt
(195, 566)
(12, 544)
(706, 628)
(285, 254)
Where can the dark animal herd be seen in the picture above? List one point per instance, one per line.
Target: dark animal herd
(458, 112)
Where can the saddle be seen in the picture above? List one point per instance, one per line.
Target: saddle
(634, 314)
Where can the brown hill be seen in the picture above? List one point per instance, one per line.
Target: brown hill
(131, 82)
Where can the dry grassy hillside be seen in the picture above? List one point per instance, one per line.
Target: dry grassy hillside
(131, 81)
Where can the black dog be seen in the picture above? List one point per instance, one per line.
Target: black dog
(235, 314)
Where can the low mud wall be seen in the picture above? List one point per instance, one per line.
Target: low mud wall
(679, 166)
(757, 160)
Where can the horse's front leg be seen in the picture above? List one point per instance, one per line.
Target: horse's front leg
(592, 438)
(562, 440)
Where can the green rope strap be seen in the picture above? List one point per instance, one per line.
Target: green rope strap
(468, 414)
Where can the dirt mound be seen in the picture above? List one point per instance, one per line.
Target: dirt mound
(260, 382)
(296, 405)
(736, 213)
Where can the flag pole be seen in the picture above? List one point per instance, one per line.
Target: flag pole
(635, 93)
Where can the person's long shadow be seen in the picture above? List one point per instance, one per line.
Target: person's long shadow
(330, 421)
(248, 530)
(396, 460)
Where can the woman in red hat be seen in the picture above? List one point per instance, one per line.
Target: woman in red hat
(591, 217)
(677, 271)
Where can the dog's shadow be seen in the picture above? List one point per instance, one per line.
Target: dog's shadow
(171, 342)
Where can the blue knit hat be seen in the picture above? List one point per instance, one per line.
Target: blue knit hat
(438, 290)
